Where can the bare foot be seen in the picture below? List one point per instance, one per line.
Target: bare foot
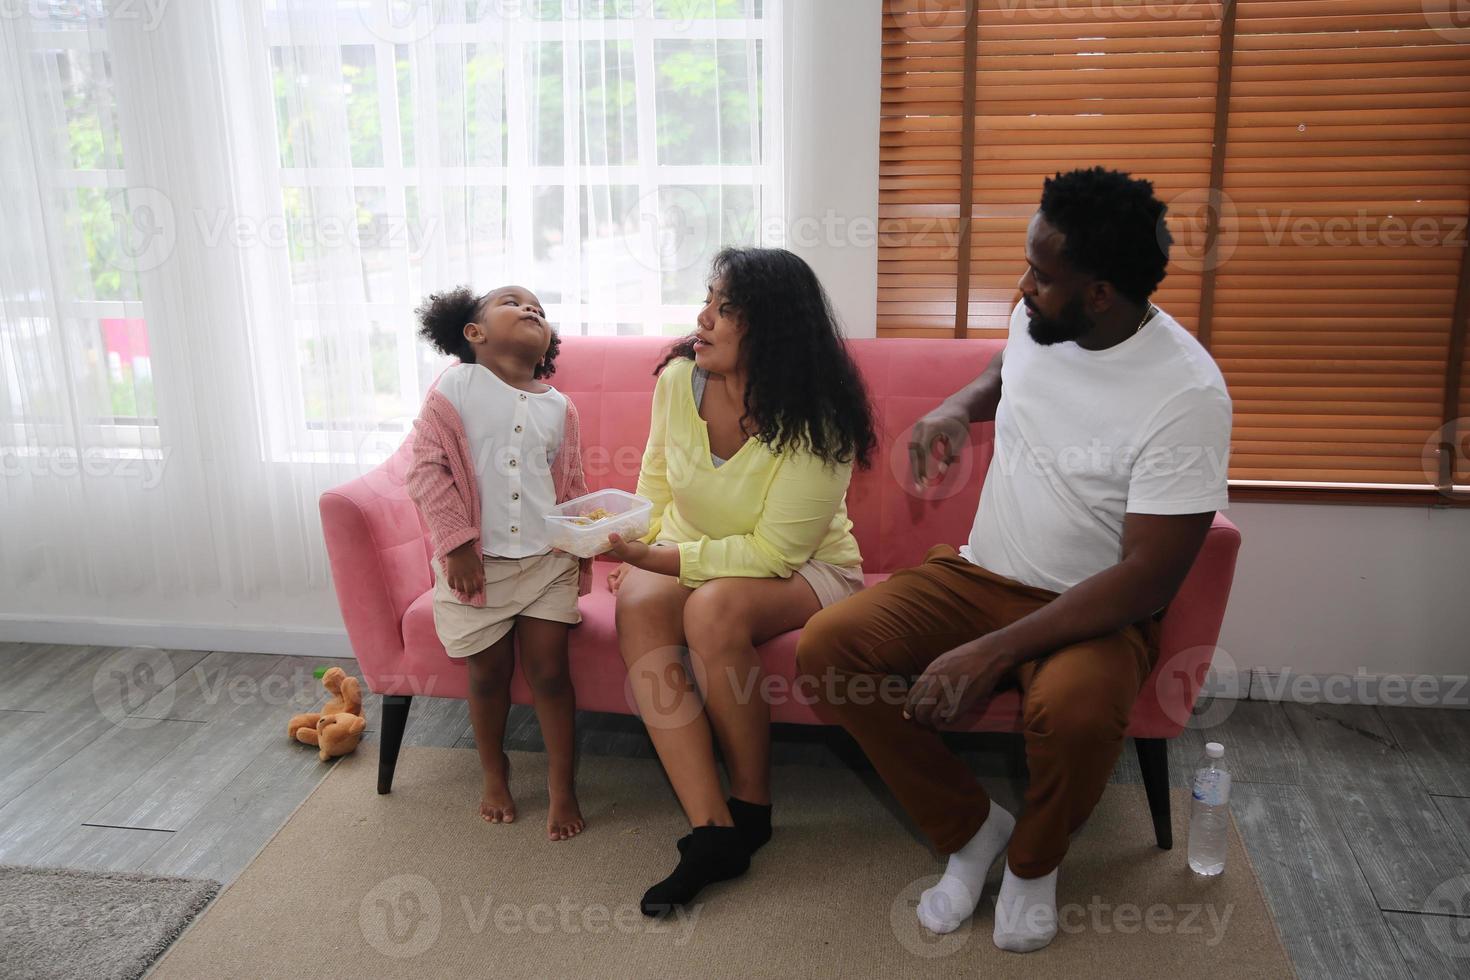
(565, 819)
(496, 805)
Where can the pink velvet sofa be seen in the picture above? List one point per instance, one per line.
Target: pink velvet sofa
(380, 554)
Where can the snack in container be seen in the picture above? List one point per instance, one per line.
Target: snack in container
(581, 526)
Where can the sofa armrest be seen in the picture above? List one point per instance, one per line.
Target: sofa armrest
(379, 561)
(1187, 637)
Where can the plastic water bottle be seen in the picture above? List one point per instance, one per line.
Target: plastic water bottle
(1210, 814)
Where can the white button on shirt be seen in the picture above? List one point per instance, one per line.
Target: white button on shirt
(513, 437)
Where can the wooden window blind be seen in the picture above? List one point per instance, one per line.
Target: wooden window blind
(1315, 155)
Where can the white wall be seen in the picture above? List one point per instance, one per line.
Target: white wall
(1327, 589)
(833, 99)
(306, 624)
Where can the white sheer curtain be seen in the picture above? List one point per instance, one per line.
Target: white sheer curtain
(219, 215)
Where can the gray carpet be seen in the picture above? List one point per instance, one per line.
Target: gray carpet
(67, 924)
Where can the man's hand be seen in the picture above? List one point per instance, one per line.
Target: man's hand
(464, 569)
(944, 429)
(947, 428)
(956, 684)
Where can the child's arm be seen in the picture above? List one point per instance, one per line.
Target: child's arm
(570, 458)
(572, 446)
(430, 482)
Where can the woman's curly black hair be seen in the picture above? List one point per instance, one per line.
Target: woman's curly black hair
(442, 318)
(1113, 227)
(804, 389)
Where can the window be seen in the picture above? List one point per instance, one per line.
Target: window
(1316, 160)
(93, 323)
(220, 216)
(596, 152)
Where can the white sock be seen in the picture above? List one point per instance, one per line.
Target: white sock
(948, 904)
(1026, 912)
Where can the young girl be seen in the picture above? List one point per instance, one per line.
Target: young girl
(494, 449)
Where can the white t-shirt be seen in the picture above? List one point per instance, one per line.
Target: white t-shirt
(513, 437)
(1083, 437)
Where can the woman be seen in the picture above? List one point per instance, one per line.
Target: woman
(758, 420)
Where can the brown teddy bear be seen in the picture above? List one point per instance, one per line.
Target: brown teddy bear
(337, 728)
(336, 734)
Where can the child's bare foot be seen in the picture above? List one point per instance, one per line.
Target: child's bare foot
(565, 819)
(496, 805)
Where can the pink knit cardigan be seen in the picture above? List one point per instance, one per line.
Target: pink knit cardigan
(441, 480)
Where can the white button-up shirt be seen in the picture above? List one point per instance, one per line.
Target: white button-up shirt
(513, 436)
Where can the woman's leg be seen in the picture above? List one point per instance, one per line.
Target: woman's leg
(650, 625)
(544, 661)
(490, 672)
(724, 621)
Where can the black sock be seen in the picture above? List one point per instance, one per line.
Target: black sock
(712, 854)
(753, 820)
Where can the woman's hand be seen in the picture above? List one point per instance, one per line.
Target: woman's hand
(943, 428)
(634, 553)
(615, 578)
(464, 570)
(661, 560)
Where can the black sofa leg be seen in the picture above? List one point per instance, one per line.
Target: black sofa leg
(395, 719)
(1153, 760)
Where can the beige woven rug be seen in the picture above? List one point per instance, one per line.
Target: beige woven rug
(413, 884)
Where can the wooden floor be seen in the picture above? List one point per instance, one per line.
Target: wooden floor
(179, 764)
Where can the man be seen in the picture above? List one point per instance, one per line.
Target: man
(1112, 431)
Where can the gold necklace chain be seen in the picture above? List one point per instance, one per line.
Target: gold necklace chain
(1147, 314)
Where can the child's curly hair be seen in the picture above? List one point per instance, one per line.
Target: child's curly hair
(442, 318)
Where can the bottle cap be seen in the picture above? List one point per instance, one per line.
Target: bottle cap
(1214, 750)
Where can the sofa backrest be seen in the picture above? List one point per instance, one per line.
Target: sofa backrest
(611, 381)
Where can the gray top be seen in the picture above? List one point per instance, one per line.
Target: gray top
(700, 378)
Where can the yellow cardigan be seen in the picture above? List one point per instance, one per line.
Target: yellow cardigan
(759, 515)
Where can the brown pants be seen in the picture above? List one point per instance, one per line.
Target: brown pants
(1075, 702)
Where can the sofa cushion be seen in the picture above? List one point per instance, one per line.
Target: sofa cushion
(598, 673)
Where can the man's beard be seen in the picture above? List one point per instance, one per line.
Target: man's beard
(1069, 325)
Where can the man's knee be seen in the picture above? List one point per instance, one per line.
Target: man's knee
(816, 645)
(1084, 693)
(824, 645)
(1073, 717)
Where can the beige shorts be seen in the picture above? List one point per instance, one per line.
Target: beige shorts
(541, 586)
(831, 583)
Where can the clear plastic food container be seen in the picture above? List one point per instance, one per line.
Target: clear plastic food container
(577, 527)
